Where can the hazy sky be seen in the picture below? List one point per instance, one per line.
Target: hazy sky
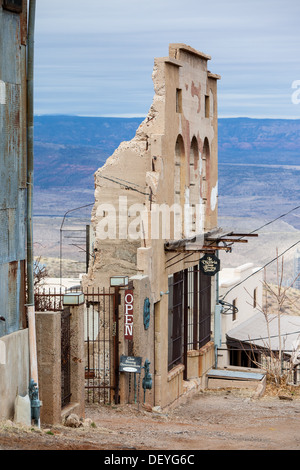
(96, 58)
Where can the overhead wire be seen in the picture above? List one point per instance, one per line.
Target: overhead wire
(263, 267)
(113, 180)
(267, 223)
(250, 233)
(248, 340)
(260, 269)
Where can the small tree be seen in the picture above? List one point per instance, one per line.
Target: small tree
(280, 294)
(40, 272)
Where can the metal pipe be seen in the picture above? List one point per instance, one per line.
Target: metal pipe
(30, 167)
(30, 153)
(217, 319)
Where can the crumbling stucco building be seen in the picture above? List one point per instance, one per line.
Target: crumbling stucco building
(156, 205)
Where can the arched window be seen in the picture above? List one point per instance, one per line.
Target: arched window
(194, 197)
(205, 180)
(179, 176)
(205, 170)
(179, 186)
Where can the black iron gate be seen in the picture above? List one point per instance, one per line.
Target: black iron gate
(101, 345)
(65, 358)
(189, 314)
(175, 319)
(101, 342)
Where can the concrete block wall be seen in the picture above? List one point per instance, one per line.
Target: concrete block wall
(14, 371)
(48, 325)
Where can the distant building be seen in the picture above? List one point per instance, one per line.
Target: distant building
(243, 301)
(252, 334)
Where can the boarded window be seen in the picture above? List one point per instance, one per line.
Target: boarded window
(207, 106)
(189, 314)
(178, 100)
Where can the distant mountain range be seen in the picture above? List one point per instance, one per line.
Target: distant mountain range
(69, 149)
(268, 141)
(259, 181)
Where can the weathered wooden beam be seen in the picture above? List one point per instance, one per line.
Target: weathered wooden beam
(226, 240)
(244, 234)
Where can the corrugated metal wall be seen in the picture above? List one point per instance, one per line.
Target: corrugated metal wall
(12, 168)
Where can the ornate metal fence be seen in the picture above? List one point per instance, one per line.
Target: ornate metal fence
(100, 340)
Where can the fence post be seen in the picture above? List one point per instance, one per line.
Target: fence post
(116, 343)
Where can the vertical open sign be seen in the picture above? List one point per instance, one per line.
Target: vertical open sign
(128, 319)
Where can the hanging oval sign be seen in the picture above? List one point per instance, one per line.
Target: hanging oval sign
(209, 264)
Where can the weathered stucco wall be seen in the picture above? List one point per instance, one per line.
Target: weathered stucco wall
(48, 325)
(14, 371)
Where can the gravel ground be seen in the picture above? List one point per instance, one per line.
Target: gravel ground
(210, 420)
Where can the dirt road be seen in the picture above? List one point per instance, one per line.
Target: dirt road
(226, 420)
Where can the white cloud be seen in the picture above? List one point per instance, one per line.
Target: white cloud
(108, 48)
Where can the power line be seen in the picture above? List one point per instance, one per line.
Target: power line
(268, 223)
(260, 269)
(125, 185)
(248, 340)
(277, 218)
(253, 231)
(129, 182)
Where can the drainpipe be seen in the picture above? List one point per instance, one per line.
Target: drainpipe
(217, 320)
(30, 274)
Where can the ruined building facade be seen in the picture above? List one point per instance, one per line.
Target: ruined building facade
(155, 205)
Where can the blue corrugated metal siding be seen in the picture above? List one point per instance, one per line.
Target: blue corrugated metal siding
(12, 170)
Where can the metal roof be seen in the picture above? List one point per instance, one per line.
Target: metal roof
(254, 331)
(235, 374)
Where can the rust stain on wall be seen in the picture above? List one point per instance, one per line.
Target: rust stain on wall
(13, 26)
(196, 91)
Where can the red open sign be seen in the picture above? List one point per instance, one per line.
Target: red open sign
(128, 314)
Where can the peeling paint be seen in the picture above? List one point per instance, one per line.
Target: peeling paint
(214, 197)
(2, 353)
(200, 164)
(186, 211)
(196, 91)
(2, 92)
